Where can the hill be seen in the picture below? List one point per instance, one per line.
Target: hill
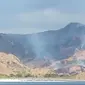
(44, 46)
(10, 64)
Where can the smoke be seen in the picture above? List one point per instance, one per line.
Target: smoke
(80, 62)
(76, 50)
(82, 40)
(38, 45)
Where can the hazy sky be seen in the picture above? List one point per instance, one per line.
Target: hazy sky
(29, 16)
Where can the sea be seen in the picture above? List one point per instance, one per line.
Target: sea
(42, 83)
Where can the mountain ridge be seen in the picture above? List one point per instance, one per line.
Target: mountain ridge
(62, 51)
(55, 44)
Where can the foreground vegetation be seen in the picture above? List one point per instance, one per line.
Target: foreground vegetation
(4, 76)
(48, 74)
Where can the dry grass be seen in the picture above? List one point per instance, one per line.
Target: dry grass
(81, 76)
(10, 64)
(40, 72)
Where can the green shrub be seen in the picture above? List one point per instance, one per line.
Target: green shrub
(23, 74)
(12, 75)
(4, 76)
(28, 75)
(19, 75)
(50, 75)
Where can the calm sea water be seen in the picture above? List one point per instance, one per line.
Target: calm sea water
(42, 83)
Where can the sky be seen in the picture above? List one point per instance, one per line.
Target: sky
(31, 16)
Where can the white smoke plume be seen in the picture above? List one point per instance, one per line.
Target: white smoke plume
(82, 41)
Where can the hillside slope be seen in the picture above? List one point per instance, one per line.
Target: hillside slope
(54, 44)
(10, 64)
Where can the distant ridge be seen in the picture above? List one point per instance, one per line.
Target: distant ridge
(56, 44)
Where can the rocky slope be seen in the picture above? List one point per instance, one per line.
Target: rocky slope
(10, 64)
(72, 65)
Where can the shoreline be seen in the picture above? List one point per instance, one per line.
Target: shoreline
(39, 80)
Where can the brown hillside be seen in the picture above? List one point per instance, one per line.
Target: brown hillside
(10, 64)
